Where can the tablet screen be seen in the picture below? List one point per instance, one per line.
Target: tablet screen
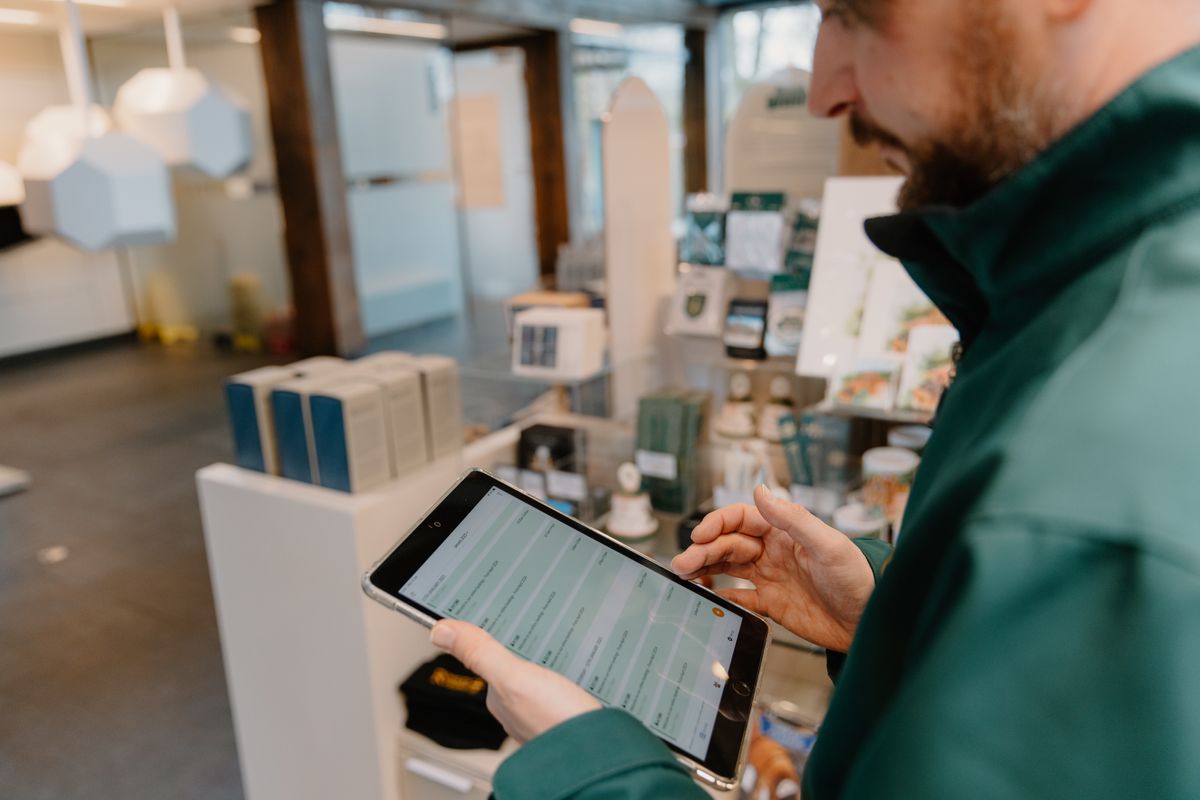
(631, 636)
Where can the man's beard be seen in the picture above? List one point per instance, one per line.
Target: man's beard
(1001, 122)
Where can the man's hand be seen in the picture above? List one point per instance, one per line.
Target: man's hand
(808, 577)
(527, 699)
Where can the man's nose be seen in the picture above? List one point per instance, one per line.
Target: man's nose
(833, 90)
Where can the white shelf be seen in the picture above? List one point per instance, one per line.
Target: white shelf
(312, 664)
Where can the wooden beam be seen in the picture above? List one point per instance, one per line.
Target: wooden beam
(695, 113)
(312, 188)
(546, 130)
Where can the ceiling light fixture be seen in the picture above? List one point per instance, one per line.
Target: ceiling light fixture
(187, 118)
(85, 183)
(388, 27)
(245, 35)
(12, 189)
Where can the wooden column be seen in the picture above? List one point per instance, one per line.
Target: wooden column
(695, 113)
(312, 188)
(543, 84)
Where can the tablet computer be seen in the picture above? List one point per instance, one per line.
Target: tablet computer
(683, 660)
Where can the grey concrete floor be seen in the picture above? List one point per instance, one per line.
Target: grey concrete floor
(111, 680)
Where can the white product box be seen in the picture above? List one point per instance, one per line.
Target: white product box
(442, 395)
(349, 435)
(248, 396)
(317, 365)
(559, 343)
(385, 357)
(404, 411)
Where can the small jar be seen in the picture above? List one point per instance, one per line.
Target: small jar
(887, 479)
(857, 522)
(910, 437)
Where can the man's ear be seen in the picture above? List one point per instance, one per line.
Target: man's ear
(1065, 10)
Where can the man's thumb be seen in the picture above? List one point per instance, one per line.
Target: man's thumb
(473, 646)
(796, 520)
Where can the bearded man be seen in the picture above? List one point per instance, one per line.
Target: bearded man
(1036, 633)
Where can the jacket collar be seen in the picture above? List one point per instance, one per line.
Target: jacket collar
(1005, 256)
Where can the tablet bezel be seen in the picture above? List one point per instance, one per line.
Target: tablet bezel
(731, 726)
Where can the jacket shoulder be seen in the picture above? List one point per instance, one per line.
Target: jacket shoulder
(1112, 437)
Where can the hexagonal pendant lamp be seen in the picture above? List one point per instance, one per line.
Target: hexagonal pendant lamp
(88, 184)
(191, 121)
(12, 187)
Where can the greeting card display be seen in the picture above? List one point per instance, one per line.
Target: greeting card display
(928, 365)
(868, 383)
(700, 301)
(754, 232)
(704, 235)
(843, 265)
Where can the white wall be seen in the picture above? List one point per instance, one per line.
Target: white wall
(502, 256)
(50, 293)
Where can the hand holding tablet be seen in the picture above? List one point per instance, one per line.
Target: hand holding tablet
(528, 700)
(631, 634)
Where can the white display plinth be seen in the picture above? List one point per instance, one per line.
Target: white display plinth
(639, 252)
(312, 664)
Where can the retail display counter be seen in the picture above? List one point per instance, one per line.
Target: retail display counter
(313, 665)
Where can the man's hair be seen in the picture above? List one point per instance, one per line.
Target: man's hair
(866, 12)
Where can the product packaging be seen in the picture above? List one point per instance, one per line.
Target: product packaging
(700, 301)
(350, 435)
(754, 232)
(442, 394)
(704, 236)
(746, 329)
(248, 397)
(887, 479)
(404, 411)
(785, 315)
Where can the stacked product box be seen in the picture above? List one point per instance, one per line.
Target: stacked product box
(248, 396)
(350, 435)
(404, 411)
(669, 428)
(442, 395)
(346, 425)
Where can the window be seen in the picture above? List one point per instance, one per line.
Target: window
(603, 55)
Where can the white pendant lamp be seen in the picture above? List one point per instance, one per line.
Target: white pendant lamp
(12, 188)
(88, 184)
(191, 121)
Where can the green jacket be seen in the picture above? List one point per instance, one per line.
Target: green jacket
(1036, 633)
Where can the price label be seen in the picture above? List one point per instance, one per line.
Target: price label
(534, 483)
(566, 485)
(657, 465)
